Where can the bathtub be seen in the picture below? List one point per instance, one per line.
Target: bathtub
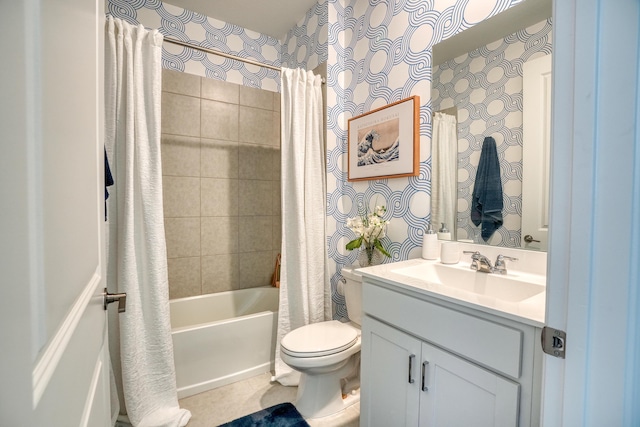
(222, 338)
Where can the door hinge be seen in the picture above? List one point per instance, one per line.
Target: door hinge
(554, 341)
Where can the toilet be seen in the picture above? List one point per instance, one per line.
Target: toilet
(327, 355)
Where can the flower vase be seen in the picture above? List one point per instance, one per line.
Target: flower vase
(369, 256)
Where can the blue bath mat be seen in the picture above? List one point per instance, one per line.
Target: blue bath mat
(282, 415)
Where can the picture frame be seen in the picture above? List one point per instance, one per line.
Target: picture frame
(385, 142)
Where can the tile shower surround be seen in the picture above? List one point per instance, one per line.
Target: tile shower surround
(221, 184)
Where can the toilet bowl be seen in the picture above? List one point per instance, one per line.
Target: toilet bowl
(327, 355)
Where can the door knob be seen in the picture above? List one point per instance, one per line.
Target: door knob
(529, 238)
(121, 298)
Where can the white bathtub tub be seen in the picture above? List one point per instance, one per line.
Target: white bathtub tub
(222, 338)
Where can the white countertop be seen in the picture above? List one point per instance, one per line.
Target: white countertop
(530, 311)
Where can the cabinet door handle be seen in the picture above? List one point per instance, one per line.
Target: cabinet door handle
(425, 364)
(411, 358)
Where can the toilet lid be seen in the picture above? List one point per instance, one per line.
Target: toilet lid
(319, 339)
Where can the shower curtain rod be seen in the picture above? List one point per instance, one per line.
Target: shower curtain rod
(225, 55)
(215, 52)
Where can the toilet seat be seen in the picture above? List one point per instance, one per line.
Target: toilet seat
(319, 339)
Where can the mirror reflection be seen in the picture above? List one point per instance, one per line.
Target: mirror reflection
(489, 159)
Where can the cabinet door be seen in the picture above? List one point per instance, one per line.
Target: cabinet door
(390, 376)
(456, 393)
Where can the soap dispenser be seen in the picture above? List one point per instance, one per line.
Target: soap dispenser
(430, 244)
(444, 233)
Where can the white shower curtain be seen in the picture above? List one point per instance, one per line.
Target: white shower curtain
(137, 262)
(444, 153)
(304, 292)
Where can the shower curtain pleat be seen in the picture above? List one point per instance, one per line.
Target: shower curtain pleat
(304, 291)
(444, 153)
(137, 262)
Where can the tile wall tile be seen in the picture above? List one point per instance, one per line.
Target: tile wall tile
(180, 155)
(254, 97)
(183, 237)
(277, 130)
(255, 197)
(219, 197)
(277, 233)
(276, 198)
(180, 114)
(220, 235)
(219, 120)
(180, 83)
(219, 90)
(181, 196)
(276, 101)
(277, 166)
(184, 277)
(220, 273)
(256, 233)
(256, 162)
(257, 126)
(219, 159)
(256, 268)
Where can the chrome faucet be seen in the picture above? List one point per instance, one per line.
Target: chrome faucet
(501, 265)
(482, 264)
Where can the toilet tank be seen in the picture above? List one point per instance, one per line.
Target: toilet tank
(353, 294)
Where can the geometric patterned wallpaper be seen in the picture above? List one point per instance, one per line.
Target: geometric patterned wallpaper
(486, 87)
(305, 45)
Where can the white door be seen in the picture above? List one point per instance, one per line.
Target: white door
(536, 128)
(592, 289)
(390, 394)
(456, 393)
(54, 358)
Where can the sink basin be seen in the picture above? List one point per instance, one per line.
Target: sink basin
(512, 287)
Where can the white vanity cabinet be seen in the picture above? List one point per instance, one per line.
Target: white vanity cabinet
(430, 362)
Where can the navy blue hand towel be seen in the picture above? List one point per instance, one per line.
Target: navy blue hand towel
(486, 202)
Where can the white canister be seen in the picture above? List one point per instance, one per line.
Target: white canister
(450, 252)
(430, 245)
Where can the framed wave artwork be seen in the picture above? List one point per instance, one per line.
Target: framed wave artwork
(385, 142)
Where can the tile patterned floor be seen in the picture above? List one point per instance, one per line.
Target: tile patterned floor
(235, 400)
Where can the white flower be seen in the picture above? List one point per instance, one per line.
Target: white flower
(370, 226)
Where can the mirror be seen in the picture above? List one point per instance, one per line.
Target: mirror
(477, 87)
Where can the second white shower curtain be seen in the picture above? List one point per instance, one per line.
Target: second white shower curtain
(444, 152)
(304, 291)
